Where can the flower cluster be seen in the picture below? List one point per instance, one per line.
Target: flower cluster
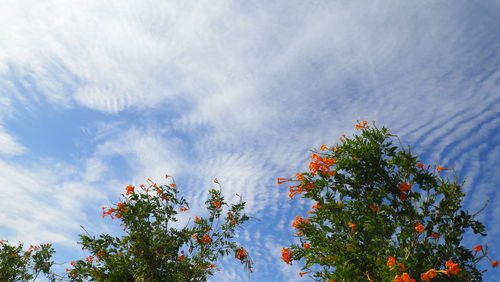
(180, 254)
(375, 198)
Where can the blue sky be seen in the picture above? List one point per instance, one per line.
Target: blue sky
(97, 95)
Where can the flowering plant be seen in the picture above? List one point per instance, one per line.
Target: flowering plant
(156, 247)
(381, 215)
(18, 264)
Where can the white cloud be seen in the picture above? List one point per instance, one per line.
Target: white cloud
(8, 144)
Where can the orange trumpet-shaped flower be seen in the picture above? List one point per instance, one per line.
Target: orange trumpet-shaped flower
(419, 228)
(299, 221)
(453, 268)
(130, 189)
(478, 248)
(391, 262)
(303, 273)
(435, 235)
(299, 176)
(404, 187)
(183, 209)
(241, 254)
(420, 165)
(206, 239)
(352, 226)
(323, 147)
(304, 187)
(405, 277)
(286, 255)
(306, 246)
(440, 168)
(362, 125)
(494, 263)
(427, 276)
(282, 180)
(217, 204)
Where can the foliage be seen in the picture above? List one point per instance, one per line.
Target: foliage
(155, 246)
(17, 264)
(381, 215)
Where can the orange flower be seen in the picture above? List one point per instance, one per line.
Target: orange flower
(209, 266)
(403, 196)
(286, 255)
(494, 263)
(440, 168)
(181, 257)
(391, 261)
(352, 226)
(358, 126)
(121, 206)
(303, 273)
(216, 204)
(197, 219)
(419, 228)
(315, 156)
(373, 208)
(453, 268)
(183, 209)
(431, 273)
(299, 221)
(420, 165)
(206, 239)
(317, 206)
(306, 245)
(299, 176)
(342, 140)
(401, 267)
(405, 277)
(323, 147)
(130, 189)
(304, 187)
(478, 248)
(404, 187)
(435, 235)
(241, 254)
(172, 185)
(282, 180)
(89, 259)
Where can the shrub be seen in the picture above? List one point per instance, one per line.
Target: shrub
(380, 214)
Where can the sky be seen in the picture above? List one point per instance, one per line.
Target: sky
(97, 95)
